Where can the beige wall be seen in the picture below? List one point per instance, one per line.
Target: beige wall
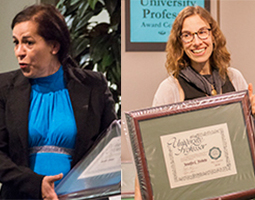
(143, 71)
(238, 25)
(8, 9)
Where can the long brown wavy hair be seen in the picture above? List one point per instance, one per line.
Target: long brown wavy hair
(177, 58)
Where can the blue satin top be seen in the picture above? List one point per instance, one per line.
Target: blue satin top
(51, 124)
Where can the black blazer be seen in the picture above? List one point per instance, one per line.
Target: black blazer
(93, 107)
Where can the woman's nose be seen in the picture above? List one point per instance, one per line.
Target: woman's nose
(197, 40)
(20, 51)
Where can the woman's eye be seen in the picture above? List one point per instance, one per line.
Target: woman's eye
(15, 42)
(186, 35)
(29, 43)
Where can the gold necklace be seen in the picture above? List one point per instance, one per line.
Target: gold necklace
(213, 92)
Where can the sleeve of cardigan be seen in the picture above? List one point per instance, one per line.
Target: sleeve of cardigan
(237, 79)
(167, 92)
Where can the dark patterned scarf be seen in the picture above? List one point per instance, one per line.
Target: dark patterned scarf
(192, 76)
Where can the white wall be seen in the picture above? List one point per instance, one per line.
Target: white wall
(237, 23)
(8, 9)
(143, 71)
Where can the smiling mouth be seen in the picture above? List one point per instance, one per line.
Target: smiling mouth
(197, 51)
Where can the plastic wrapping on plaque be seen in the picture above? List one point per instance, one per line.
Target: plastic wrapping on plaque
(197, 149)
(128, 179)
(98, 174)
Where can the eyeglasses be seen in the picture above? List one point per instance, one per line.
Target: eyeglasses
(202, 34)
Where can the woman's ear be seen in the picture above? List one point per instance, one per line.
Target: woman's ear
(55, 47)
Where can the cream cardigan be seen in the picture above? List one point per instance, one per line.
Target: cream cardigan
(169, 90)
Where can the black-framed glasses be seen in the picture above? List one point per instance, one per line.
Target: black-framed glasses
(202, 34)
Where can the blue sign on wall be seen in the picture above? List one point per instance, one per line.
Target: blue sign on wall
(151, 20)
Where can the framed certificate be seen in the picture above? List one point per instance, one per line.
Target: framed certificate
(98, 174)
(198, 149)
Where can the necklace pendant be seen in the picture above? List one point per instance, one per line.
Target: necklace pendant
(214, 92)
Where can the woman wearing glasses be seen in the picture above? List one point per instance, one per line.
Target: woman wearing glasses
(197, 60)
(197, 63)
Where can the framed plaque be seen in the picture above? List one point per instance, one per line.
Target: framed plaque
(148, 23)
(197, 149)
(98, 174)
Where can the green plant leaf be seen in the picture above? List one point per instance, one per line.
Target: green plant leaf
(115, 18)
(73, 2)
(100, 67)
(92, 3)
(115, 72)
(107, 59)
(84, 7)
(95, 45)
(110, 5)
(72, 7)
(79, 45)
(98, 8)
(80, 23)
(99, 45)
(61, 7)
(100, 29)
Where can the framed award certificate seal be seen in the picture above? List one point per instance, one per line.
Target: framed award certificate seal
(198, 149)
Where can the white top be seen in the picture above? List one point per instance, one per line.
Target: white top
(169, 90)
